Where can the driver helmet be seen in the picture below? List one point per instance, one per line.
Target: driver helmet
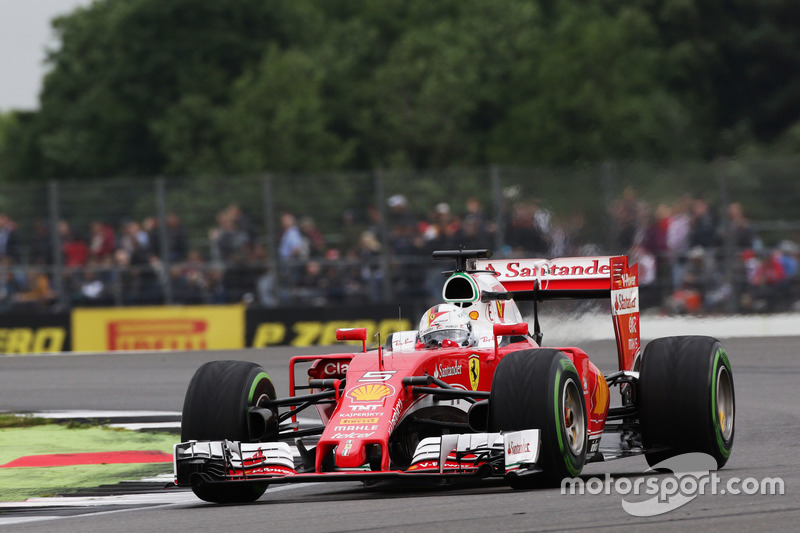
(445, 322)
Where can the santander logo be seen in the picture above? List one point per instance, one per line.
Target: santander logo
(442, 371)
(624, 302)
(514, 448)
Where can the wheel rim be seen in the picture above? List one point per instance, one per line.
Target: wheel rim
(573, 420)
(261, 400)
(725, 409)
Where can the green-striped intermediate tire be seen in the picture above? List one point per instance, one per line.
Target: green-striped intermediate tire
(686, 398)
(216, 408)
(540, 389)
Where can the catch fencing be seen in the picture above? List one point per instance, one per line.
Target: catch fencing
(320, 240)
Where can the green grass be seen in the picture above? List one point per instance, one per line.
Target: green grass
(46, 438)
(8, 420)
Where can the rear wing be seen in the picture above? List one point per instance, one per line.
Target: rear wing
(579, 278)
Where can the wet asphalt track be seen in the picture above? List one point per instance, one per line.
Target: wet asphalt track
(767, 379)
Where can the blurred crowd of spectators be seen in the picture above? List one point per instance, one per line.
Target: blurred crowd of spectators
(680, 248)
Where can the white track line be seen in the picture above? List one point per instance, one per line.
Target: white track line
(146, 425)
(64, 414)
(10, 521)
(139, 501)
(149, 498)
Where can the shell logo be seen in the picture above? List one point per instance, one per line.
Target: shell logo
(601, 396)
(370, 393)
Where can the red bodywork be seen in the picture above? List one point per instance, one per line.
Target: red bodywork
(375, 399)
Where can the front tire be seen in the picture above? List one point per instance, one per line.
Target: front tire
(540, 389)
(216, 408)
(686, 398)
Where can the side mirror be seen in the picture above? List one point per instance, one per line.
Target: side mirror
(520, 328)
(354, 334)
(499, 330)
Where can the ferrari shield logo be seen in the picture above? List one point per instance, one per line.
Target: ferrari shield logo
(474, 371)
(433, 315)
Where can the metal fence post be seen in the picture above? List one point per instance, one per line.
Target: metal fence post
(727, 234)
(161, 206)
(54, 205)
(380, 201)
(499, 213)
(269, 227)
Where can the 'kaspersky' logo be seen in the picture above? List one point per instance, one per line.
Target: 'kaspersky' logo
(474, 370)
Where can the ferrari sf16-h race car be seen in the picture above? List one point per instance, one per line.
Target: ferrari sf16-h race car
(472, 394)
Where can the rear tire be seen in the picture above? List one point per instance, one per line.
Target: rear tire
(216, 408)
(686, 398)
(540, 389)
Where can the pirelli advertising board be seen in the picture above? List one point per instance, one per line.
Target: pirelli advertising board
(317, 326)
(158, 328)
(192, 328)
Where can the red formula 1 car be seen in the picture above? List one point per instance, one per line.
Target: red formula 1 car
(471, 394)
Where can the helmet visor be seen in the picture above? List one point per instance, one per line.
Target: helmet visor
(435, 338)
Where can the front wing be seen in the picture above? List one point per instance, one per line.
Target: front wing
(448, 456)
